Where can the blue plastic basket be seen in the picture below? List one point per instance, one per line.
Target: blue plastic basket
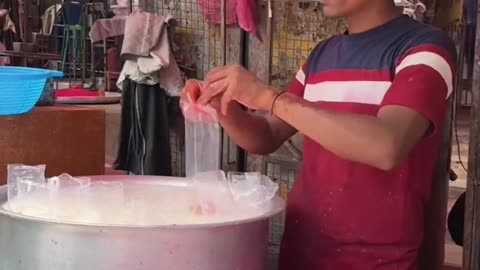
(21, 88)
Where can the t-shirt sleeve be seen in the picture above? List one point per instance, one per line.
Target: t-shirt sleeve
(297, 87)
(424, 78)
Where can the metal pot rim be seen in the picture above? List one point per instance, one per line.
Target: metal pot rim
(277, 207)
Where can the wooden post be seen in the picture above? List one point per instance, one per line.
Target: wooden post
(433, 249)
(471, 253)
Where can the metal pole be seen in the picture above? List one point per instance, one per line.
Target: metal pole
(223, 33)
(269, 42)
(241, 154)
(471, 251)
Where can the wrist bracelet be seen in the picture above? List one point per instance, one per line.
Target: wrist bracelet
(275, 100)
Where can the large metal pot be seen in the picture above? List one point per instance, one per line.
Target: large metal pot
(28, 243)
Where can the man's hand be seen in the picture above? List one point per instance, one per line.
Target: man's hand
(191, 92)
(255, 133)
(234, 83)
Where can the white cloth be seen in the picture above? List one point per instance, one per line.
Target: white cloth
(132, 70)
(48, 19)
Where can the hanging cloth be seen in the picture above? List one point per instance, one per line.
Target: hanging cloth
(6, 23)
(241, 12)
(146, 49)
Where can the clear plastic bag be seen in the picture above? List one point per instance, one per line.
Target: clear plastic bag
(67, 181)
(215, 192)
(202, 141)
(22, 179)
(251, 188)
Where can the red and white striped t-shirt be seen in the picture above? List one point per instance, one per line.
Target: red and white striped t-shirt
(344, 215)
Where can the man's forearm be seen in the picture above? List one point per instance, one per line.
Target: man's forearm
(358, 138)
(251, 132)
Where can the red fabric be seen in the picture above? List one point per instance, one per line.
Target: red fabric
(76, 92)
(421, 89)
(296, 88)
(351, 75)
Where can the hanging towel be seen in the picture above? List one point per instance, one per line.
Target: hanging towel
(146, 49)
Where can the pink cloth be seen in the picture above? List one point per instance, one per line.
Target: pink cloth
(246, 15)
(107, 28)
(242, 12)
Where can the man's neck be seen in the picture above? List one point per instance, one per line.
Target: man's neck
(372, 16)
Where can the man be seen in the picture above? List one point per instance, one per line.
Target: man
(371, 105)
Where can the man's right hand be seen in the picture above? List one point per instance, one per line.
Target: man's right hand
(191, 92)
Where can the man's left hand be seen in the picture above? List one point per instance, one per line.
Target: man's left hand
(234, 83)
